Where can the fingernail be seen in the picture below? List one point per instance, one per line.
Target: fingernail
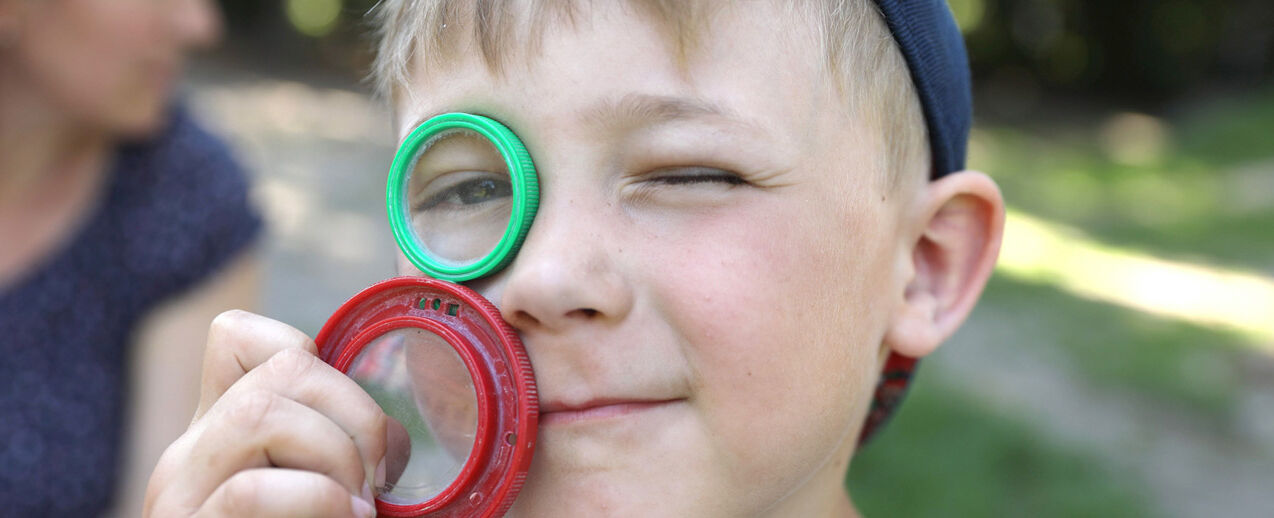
(362, 509)
(380, 474)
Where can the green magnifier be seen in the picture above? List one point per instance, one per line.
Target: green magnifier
(461, 196)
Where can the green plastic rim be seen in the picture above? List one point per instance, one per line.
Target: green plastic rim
(526, 196)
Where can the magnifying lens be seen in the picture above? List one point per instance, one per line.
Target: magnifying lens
(458, 388)
(462, 193)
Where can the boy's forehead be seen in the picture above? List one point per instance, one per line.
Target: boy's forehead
(752, 66)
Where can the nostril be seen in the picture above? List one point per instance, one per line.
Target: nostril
(523, 318)
(586, 312)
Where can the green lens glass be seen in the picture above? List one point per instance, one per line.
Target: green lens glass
(461, 196)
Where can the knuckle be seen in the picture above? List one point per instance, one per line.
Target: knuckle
(252, 409)
(159, 500)
(170, 462)
(324, 493)
(292, 363)
(240, 495)
(227, 322)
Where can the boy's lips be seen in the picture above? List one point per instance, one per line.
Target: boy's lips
(560, 412)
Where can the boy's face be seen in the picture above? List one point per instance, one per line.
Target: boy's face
(714, 263)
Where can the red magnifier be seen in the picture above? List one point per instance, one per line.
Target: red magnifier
(458, 388)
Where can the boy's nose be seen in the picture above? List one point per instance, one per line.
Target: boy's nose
(565, 274)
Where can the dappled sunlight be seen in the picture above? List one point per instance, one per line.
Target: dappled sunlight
(968, 13)
(301, 221)
(288, 205)
(1041, 251)
(314, 18)
(1135, 139)
(353, 237)
(265, 108)
(1146, 183)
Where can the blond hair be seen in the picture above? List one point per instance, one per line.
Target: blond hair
(865, 58)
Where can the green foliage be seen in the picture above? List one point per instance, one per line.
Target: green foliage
(1139, 50)
(1231, 131)
(1201, 191)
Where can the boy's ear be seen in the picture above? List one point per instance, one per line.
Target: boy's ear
(956, 227)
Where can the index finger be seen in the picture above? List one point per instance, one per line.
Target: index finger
(239, 341)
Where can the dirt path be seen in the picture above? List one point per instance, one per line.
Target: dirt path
(1195, 466)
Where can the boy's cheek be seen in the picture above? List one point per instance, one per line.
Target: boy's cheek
(760, 314)
(404, 266)
(782, 306)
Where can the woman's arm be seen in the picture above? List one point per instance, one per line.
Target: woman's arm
(167, 353)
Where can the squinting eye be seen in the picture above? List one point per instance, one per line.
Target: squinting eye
(468, 193)
(697, 175)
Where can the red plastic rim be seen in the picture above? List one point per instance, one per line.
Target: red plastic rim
(482, 392)
(504, 385)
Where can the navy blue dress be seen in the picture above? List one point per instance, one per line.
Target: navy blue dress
(175, 209)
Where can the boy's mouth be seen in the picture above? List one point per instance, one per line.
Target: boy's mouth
(558, 412)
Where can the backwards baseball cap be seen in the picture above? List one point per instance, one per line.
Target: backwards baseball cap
(931, 43)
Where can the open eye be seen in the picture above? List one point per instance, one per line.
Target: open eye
(457, 170)
(470, 189)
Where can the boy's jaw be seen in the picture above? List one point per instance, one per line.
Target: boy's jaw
(700, 348)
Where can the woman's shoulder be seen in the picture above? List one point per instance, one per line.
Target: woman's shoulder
(184, 156)
(183, 202)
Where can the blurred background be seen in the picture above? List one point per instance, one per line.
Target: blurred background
(1121, 361)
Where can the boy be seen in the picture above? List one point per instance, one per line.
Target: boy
(737, 229)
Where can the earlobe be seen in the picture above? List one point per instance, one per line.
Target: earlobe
(958, 225)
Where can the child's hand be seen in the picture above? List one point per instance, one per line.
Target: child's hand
(277, 432)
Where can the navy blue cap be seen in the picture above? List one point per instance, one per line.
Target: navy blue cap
(926, 32)
(934, 48)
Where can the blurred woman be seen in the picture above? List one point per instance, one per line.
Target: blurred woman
(124, 229)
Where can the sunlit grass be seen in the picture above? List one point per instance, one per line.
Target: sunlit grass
(1040, 251)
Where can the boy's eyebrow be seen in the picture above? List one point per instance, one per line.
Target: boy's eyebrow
(646, 110)
(634, 110)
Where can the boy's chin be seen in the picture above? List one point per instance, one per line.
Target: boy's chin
(598, 495)
(615, 471)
